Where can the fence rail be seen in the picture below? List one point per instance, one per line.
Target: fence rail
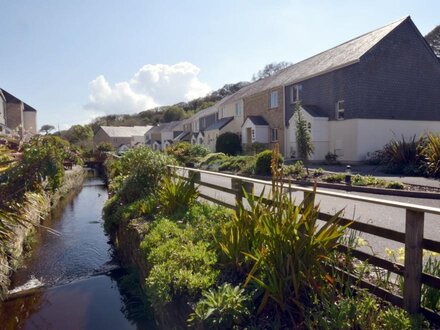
(412, 238)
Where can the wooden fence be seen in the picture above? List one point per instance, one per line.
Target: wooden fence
(412, 238)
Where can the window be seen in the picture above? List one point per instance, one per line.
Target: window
(253, 134)
(238, 109)
(340, 110)
(309, 126)
(274, 134)
(294, 93)
(273, 99)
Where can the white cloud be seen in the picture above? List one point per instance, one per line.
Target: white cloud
(151, 86)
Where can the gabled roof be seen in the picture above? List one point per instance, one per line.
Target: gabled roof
(170, 126)
(314, 111)
(181, 136)
(27, 107)
(219, 124)
(125, 131)
(10, 98)
(332, 59)
(257, 120)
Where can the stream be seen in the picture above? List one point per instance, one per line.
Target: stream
(72, 280)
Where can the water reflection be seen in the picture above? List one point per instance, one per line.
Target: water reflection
(74, 297)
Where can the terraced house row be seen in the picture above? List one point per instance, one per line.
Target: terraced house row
(356, 97)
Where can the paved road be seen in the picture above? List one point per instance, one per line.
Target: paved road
(384, 216)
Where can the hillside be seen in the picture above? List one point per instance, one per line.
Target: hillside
(168, 113)
(433, 38)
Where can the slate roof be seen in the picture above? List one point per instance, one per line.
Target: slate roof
(27, 107)
(181, 136)
(219, 124)
(9, 97)
(332, 59)
(314, 111)
(125, 131)
(257, 120)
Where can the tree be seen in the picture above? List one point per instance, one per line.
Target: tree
(303, 136)
(173, 113)
(228, 143)
(78, 134)
(270, 70)
(433, 39)
(47, 128)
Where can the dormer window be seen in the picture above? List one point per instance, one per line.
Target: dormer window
(340, 108)
(273, 99)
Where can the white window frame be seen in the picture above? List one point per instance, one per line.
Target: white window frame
(274, 134)
(273, 102)
(238, 109)
(340, 110)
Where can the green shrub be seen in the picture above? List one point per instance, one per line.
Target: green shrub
(137, 173)
(335, 178)
(186, 153)
(228, 143)
(318, 172)
(180, 263)
(213, 161)
(222, 308)
(176, 195)
(431, 154)
(296, 170)
(331, 158)
(367, 180)
(263, 162)
(402, 156)
(256, 148)
(281, 248)
(235, 163)
(362, 311)
(395, 185)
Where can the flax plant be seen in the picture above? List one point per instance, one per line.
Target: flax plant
(283, 247)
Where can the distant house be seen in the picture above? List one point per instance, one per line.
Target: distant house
(121, 136)
(164, 135)
(17, 116)
(213, 131)
(356, 97)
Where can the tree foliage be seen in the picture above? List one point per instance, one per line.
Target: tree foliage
(47, 128)
(433, 39)
(303, 136)
(173, 113)
(228, 143)
(270, 69)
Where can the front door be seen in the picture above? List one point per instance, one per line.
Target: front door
(249, 135)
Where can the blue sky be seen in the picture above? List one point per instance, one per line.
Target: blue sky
(76, 59)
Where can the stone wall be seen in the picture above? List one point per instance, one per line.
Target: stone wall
(35, 209)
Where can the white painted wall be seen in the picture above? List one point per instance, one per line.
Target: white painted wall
(261, 133)
(319, 135)
(211, 139)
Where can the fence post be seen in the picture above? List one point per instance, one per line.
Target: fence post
(238, 186)
(414, 224)
(195, 177)
(308, 199)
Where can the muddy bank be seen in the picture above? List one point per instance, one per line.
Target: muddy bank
(35, 208)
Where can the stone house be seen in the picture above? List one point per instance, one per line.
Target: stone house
(17, 116)
(119, 136)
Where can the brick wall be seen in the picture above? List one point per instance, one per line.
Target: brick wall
(258, 105)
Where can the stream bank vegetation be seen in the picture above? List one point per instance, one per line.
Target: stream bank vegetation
(32, 179)
(265, 265)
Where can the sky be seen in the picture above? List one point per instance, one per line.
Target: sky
(74, 60)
